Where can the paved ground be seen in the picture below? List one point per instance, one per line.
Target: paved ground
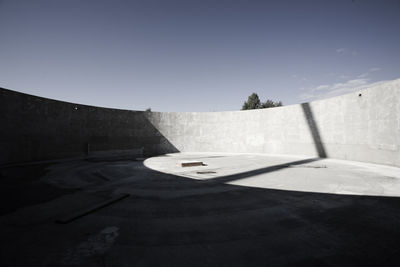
(236, 210)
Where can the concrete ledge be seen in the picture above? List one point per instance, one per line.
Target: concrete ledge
(71, 217)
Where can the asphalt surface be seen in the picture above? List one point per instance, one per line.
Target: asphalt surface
(179, 217)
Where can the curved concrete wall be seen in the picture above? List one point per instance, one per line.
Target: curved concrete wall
(363, 128)
(35, 128)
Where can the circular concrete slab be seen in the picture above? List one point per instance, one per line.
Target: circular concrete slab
(284, 172)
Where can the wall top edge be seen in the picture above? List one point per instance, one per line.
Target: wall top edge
(395, 83)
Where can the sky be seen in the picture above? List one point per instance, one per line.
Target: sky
(188, 55)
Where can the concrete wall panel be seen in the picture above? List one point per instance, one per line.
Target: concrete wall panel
(35, 128)
(362, 128)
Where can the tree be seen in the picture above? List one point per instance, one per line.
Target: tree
(271, 104)
(253, 102)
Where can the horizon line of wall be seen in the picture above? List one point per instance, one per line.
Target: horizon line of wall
(362, 126)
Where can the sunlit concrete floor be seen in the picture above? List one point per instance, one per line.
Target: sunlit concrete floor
(235, 210)
(284, 172)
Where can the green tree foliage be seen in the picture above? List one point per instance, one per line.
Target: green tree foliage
(271, 104)
(253, 102)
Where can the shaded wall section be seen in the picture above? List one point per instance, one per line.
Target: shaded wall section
(356, 127)
(361, 126)
(35, 128)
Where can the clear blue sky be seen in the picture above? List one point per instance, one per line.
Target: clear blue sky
(196, 55)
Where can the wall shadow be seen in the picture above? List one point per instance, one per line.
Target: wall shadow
(238, 176)
(312, 125)
(36, 129)
(172, 220)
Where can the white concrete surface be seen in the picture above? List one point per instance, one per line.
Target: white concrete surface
(259, 170)
(350, 127)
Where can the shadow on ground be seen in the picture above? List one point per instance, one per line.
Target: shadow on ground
(169, 220)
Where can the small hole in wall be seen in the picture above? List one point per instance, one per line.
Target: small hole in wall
(359, 94)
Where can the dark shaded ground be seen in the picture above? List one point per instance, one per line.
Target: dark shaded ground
(21, 186)
(174, 221)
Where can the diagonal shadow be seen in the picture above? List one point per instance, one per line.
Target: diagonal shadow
(40, 129)
(238, 225)
(242, 175)
(312, 125)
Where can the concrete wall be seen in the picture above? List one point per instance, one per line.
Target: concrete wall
(35, 128)
(363, 128)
